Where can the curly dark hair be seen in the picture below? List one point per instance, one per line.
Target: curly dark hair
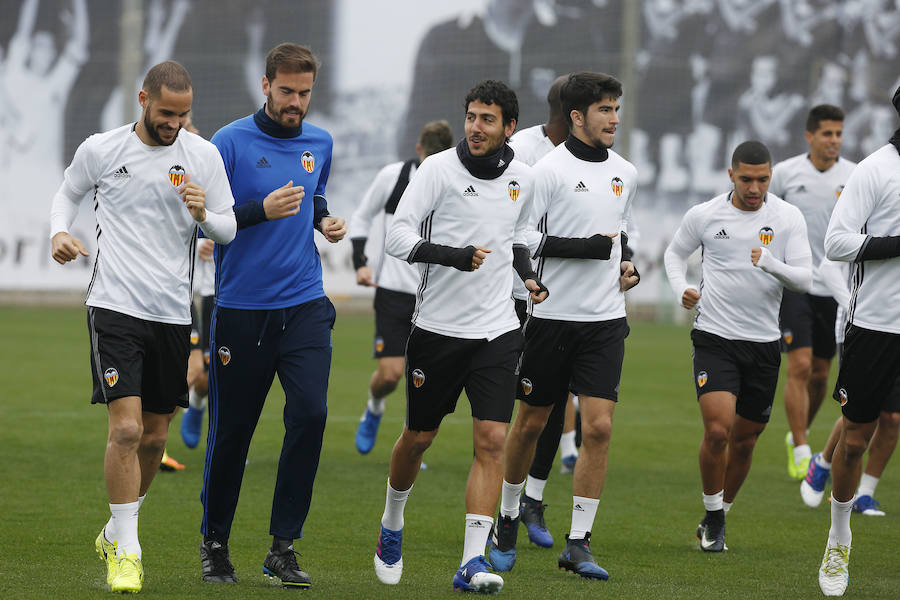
(491, 91)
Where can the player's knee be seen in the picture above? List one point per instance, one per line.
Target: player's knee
(744, 446)
(154, 442)
(489, 444)
(799, 367)
(126, 433)
(391, 374)
(597, 430)
(716, 437)
(890, 421)
(416, 442)
(530, 422)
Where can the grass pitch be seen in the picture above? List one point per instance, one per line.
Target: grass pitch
(53, 497)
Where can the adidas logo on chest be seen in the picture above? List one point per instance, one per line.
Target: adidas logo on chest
(722, 235)
(470, 192)
(122, 173)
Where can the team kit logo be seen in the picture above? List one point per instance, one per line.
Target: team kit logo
(111, 376)
(842, 394)
(838, 191)
(308, 161)
(766, 235)
(702, 378)
(527, 386)
(788, 336)
(379, 344)
(418, 378)
(224, 355)
(513, 189)
(618, 186)
(176, 175)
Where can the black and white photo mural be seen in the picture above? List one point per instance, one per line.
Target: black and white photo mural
(700, 76)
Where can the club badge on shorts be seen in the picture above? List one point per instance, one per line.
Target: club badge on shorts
(702, 378)
(526, 386)
(111, 376)
(224, 355)
(788, 336)
(379, 344)
(842, 394)
(176, 175)
(766, 235)
(513, 188)
(418, 378)
(308, 161)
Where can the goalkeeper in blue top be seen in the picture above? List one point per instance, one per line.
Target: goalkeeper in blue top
(272, 315)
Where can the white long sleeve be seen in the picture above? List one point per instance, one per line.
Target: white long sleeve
(675, 258)
(836, 277)
(220, 227)
(796, 274)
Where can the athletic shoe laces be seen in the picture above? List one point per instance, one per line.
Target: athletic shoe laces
(389, 546)
(836, 558)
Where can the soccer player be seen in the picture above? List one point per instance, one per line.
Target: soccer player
(754, 244)
(396, 282)
(812, 182)
(836, 276)
(576, 340)
(271, 315)
(864, 230)
(530, 145)
(463, 218)
(153, 184)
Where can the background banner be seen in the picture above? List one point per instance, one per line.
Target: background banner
(700, 76)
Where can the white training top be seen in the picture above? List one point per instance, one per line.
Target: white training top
(145, 236)
(579, 198)
(798, 182)
(445, 204)
(870, 206)
(390, 273)
(836, 277)
(740, 301)
(530, 145)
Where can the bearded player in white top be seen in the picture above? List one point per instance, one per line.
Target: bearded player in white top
(576, 340)
(865, 231)
(463, 218)
(153, 184)
(812, 182)
(754, 244)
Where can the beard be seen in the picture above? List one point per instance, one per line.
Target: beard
(279, 114)
(154, 134)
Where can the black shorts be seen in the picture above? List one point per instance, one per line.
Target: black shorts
(868, 377)
(808, 321)
(439, 367)
(584, 358)
(749, 370)
(134, 357)
(393, 321)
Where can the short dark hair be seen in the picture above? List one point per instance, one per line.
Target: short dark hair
(822, 112)
(583, 89)
(435, 137)
(291, 58)
(169, 74)
(491, 91)
(553, 98)
(752, 152)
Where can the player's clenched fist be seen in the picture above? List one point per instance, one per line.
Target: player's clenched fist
(194, 198)
(64, 248)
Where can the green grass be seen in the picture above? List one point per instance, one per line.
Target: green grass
(53, 497)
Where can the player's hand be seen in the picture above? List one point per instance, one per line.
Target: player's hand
(690, 298)
(333, 228)
(283, 202)
(194, 198)
(64, 248)
(205, 249)
(755, 254)
(479, 256)
(538, 292)
(364, 277)
(629, 277)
